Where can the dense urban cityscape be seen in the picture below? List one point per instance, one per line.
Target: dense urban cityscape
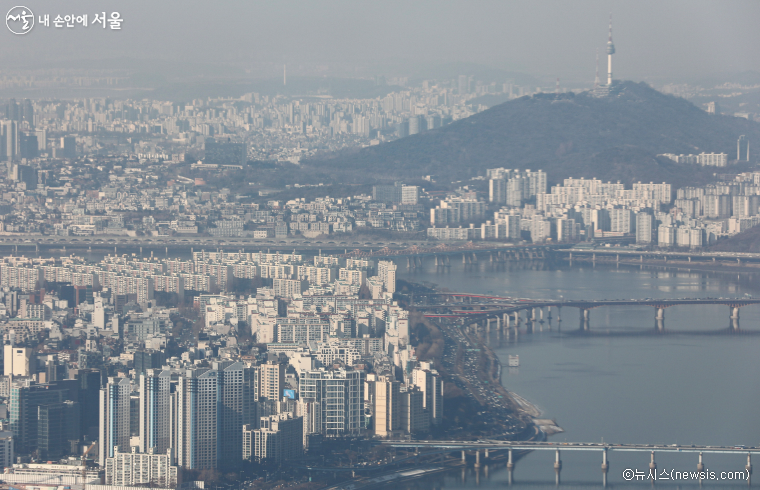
(316, 280)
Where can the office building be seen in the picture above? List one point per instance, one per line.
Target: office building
(69, 147)
(16, 360)
(24, 412)
(148, 359)
(57, 428)
(279, 438)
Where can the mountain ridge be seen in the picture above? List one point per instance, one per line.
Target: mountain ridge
(566, 135)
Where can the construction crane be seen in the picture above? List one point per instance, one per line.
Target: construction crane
(84, 462)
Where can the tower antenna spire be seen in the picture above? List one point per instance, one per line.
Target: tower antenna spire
(610, 52)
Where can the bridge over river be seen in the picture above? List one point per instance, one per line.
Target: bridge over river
(487, 447)
(484, 309)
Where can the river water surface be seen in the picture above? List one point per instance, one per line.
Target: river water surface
(623, 382)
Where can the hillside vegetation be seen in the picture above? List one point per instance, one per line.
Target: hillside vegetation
(566, 135)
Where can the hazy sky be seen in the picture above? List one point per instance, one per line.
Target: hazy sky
(654, 38)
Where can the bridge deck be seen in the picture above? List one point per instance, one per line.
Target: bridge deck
(571, 446)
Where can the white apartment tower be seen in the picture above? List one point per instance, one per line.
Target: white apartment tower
(197, 402)
(114, 417)
(155, 412)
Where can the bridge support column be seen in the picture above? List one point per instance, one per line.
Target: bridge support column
(748, 468)
(585, 313)
(734, 312)
(700, 467)
(486, 453)
(464, 457)
(605, 467)
(541, 313)
(652, 467)
(659, 313)
(511, 466)
(557, 467)
(477, 458)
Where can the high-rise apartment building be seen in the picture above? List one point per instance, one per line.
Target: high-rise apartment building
(133, 468)
(339, 395)
(155, 429)
(383, 395)
(431, 384)
(238, 407)
(198, 406)
(114, 417)
(271, 380)
(643, 227)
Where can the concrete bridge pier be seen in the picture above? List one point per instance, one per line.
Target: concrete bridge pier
(700, 467)
(652, 467)
(498, 323)
(585, 314)
(659, 313)
(734, 312)
(464, 456)
(557, 467)
(477, 458)
(734, 317)
(605, 467)
(748, 468)
(659, 324)
(511, 466)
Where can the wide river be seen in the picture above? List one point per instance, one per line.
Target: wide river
(622, 382)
